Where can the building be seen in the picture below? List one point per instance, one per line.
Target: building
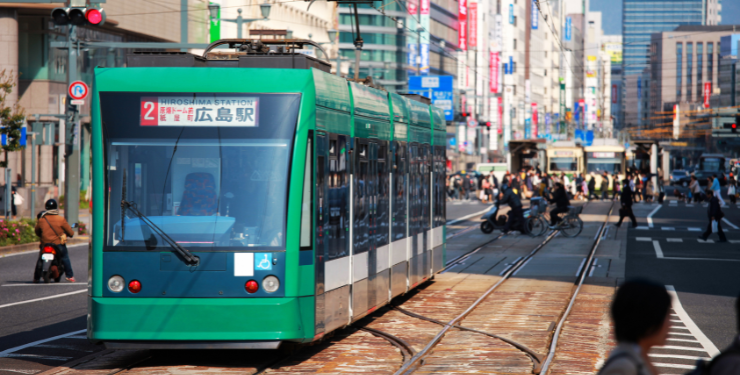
(641, 19)
(685, 66)
(612, 46)
(728, 72)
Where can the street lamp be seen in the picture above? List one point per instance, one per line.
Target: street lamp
(213, 10)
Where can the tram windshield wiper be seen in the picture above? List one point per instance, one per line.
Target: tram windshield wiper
(190, 259)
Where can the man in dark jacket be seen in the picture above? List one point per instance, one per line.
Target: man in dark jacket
(715, 214)
(605, 186)
(560, 198)
(626, 200)
(592, 187)
(516, 213)
(466, 186)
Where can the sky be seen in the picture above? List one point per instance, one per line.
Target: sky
(613, 25)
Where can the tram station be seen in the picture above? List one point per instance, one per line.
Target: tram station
(381, 186)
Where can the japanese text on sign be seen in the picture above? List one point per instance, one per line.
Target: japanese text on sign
(199, 111)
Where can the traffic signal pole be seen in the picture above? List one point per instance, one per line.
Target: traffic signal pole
(72, 146)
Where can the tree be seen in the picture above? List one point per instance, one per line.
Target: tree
(11, 118)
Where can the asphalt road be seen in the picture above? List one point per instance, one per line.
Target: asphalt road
(708, 283)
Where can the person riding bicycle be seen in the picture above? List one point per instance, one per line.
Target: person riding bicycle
(560, 198)
(507, 196)
(50, 227)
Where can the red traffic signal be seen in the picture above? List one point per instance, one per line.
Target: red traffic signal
(78, 16)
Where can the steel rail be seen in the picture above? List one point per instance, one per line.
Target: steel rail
(406, 350)
(536, 358)
(408, 367)
(579, 281)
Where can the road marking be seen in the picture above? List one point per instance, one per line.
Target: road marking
(704, 241)
(691, 357)
(67, 347)
(712, 259)
(36, 251)
(683, 340)
(646, 239)
(43, 298)
(710, 348)
(674, 239)
(692, 229)
(42, 284)
(593, 267)
(658, 250)
(451, 222)
(650, 216)
(668, 228)
(680, 334)
(675, 347)
(7, 352)
(29, 372)
(729, 223)
(734, 241)
(689, 205)
(39, 356)
(580, 267)
(673, 365)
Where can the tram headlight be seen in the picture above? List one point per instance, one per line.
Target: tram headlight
(115, 284)
(270, 284)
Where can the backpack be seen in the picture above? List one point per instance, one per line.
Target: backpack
(705, 368)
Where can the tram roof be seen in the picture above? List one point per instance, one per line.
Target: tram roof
(331, 91)
(400, 108)
(370, 102)
(438, 118)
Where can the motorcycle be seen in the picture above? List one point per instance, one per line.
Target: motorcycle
(49, 265)
(491, 222)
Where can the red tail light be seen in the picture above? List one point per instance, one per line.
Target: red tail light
(49, 249)
(134, 286)
(251, 286)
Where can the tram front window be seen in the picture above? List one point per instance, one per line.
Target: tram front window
(206, 187)
(600, 166)
(563, 164)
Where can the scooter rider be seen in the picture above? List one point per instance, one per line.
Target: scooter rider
(560, 198)
(50, 227)
(507, 196)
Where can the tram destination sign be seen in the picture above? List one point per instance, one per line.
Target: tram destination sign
(205, 110)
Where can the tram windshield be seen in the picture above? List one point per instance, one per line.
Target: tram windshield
(563, 164)
(600, 162)
(210, 186)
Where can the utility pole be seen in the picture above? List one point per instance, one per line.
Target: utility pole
(72, 146)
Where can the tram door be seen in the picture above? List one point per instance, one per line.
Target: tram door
(321, 203)
(372, 200)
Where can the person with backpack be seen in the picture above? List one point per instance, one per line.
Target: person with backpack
(715, 214)
(641, 315)
(54, 229)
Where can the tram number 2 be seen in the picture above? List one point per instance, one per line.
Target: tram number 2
(149, 112)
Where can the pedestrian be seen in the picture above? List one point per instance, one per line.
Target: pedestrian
(605, 186)
(641, 315)
(592, 187)
(579, 186)
(716, 190)
(732, 189)
(15, 201)
(52, 228)
(648, 195)
(695, 189)
(715, 214)
(626, 209)
(485, 190)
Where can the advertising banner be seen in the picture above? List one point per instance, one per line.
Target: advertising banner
(568, 29)
(462, 30)
(707, 93)
(535, 15)
(534, 120)
(473, 21)
(493, 72)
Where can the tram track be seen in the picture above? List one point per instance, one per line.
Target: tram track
(540, 365)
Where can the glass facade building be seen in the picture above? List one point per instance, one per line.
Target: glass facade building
(644, 17)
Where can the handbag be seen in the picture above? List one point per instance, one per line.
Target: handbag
(731, 190)
(17, 199)
(714, 226)
(62, 238)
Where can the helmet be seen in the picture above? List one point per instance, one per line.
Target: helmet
(51, 204)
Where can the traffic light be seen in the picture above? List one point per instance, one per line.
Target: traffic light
(488, 125)
(78, 16)
(731, 125)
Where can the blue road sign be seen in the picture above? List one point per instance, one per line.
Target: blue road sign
(568, 29)
(441, 87)
(535, 15)
(22, 141)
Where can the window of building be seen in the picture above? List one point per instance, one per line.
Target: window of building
(514, 44)
(699, 67)
(710, 61)
(689, 69)
(679, 58)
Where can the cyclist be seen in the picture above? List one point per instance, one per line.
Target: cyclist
(560, 198)
(507, 196)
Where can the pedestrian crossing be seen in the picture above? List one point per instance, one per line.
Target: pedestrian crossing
(685, 345)
(681, 240)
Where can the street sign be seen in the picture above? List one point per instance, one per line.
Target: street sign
(78, 90)
(440, 88)
(77, 102)
(21, 140)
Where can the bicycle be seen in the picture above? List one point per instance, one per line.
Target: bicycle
(570, 224)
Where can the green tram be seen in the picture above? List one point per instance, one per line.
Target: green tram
(245, 205)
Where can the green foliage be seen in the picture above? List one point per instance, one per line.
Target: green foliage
(17, 232)
(84, 205)
(11, 118)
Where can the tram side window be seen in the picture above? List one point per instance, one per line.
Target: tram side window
(426, 183)
(382, 215)
(306, 203)
(338, 230)
(361, 217)
(399, 190)
(414, 186)
(439, 186)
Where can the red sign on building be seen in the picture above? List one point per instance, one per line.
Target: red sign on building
(462, 31)
(424, 6)
(614, 93)
(473, 37)
(534, 120)
(500, 114)
(707, 93)
(493, 72)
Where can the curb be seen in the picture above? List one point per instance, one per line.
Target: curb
(12, 249)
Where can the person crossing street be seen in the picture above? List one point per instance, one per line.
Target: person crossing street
(715, 215)
(626, 210)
